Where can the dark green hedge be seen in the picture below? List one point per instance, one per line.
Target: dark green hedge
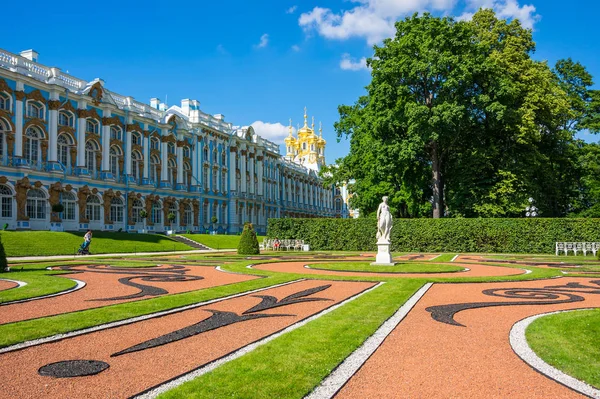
(439, 235)
(248, 244)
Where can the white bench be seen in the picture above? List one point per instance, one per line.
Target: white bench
(575, 247)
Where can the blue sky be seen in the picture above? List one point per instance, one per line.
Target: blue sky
(260, 62)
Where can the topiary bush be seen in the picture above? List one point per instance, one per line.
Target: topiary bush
(3, 262)
(248, 242)
(530, 235)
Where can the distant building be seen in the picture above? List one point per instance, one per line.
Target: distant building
(109, 159)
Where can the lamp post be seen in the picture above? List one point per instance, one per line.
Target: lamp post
(531, 210)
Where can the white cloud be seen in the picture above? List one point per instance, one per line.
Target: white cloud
(373, 20)
(291, 10)
(349, 64)
(264, 41)
(296, 48)
(275, 132)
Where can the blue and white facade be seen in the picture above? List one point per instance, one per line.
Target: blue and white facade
(110, 160)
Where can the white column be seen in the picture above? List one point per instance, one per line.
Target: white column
(251, 166)
(195, 170)
(243, 189)
(179, 164)
(19, 120)
(164, 157)
(232, 172)
(81, 121)
(289, 186)
(260, 173)
(146, 153)
(127, 149)
(53, 128)
(106, 142)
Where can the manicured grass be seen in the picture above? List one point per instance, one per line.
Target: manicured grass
(444, 258)
(293, 364)
(408, 267)
(38, 284)
(569, 341)
(44, 243)
(218, 241)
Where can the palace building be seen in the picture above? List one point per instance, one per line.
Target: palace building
(75, 155)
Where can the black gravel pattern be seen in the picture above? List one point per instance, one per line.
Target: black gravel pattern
(217, 320)
(270, 302)
(148, 290)
(73, 368)
(548, 295)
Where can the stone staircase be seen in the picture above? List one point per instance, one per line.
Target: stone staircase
(191, 243)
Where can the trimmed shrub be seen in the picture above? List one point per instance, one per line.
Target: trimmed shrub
(248, 242)
(531, 235)
(3, 262)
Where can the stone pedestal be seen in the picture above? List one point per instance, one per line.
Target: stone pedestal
(384, 256)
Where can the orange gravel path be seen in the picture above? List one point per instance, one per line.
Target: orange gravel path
(476, 271)
(101, 285)
(6, 285)
(424, 358)
(135, 372)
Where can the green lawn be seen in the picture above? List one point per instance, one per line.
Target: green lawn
(570, 342)
(408, 267)
(45, 243)
(218, 241)
(38, 284)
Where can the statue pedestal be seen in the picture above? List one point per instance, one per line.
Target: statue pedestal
(384, 256)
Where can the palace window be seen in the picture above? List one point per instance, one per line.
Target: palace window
(136, 138)
(116, 133)
(214, 180)
(205, 153)
(205, 212)
(136, 208)
(64, 143)
(32, 144)
(91, 148)
(172, 170)
(69, 202)
(215, 157)
(186, 152)
(154, 168)
(223, 214)
(65, 118)
(223, 158)
(115, 155)
(173, 210)
(4, 128)
(223, 181)
(6, 201)
(157, 212)
(187, 174)
(205, 177)
(92, 126)
(36, 204)
(171, 148)
(116, 210)
(5, 101)
(188, 214)
(155, 143)
(34, 110)
(92, 208)
(136, 159)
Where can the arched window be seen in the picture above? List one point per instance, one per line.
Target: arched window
(136, 158)
(5, 101)
(116, 133)
(214, 179)
(255, 185)
(64, 143)
(205, 177)
(154, 163)
(171, 148)
(116, 210)
(4, 128)
(136, 209)
(312, 147)
(223, 214)
(223, 181)
(186, 152)
(65, 118)
(92, 208)
(172, 167)
(136, 138)
(187, 214)
(304, 146)
(215, 157)
(338, 204)
(69, 202)
(35, 109)
(32, 144)
(6, 201)
(115, 155)
(205, 212)
(91, 147)
(155, 143)
(238, 181)
(187, 174)
(92, 126)
(36, 204)
(173, 210)
(157, 212)
(205, 153)
(223, 158)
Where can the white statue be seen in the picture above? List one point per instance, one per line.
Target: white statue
(384, 221)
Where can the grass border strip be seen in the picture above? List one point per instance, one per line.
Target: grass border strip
(60, 337)
(338, 378)
(154, 392)
(519, 345)
(78, 285)
(19, 283)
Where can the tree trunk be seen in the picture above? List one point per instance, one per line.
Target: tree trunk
(438, 186)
